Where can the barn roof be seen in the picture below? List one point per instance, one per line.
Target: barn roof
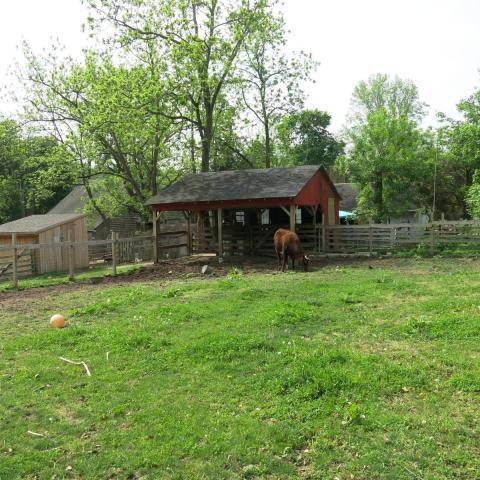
(75, 202)
(349, 193)
(38, 223)
(262, 183)
(72, 203)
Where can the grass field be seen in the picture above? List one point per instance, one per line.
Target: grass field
(48, 279)
(343, 373)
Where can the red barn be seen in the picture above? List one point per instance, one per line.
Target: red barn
(251, 204)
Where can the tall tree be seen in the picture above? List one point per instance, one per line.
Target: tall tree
(201, 41)
(385, 142)
(465, 147)
(271, 81)
(112, 121)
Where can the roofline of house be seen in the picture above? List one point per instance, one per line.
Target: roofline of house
(241, 202)
(41, 230)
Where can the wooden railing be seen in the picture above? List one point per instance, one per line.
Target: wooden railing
(394, 237)
(239, 240)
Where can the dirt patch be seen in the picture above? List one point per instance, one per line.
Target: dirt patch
(191, 267)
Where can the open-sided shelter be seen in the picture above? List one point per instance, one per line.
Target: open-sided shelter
(253, 203)
(45, 229)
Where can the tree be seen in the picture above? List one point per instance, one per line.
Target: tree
(271, 81)
(465, 149)
(111, 121)
(200, 40)
(32, 177)
(304, 139)
(386, 146)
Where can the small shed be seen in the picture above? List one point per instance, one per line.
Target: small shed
(45, 229)
(254, 201)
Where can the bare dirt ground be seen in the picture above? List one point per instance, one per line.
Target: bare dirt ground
(188, 267)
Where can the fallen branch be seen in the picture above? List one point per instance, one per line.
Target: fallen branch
(85, 366)
(35, 434)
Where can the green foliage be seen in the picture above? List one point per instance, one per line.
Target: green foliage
(389, 156)
(200, 43)
(473, 196)
(304, 139)
(271, 82)
(279, 377)
(110, 122)
(465, 146)
(33, 174)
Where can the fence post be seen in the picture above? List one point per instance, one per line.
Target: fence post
(432, 238)
(370, 237)
(155, 236)
(14, 260)
(189, 233)
(114, 253)
(324, 238)
(71, 258)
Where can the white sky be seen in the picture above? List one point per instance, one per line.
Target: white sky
(435, 43)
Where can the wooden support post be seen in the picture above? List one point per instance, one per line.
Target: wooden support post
(71, 257)
(114, 253)
(14, 260)
(189, 233)
(220, 234)
(432, 238)
(324, 238)
(314, 222)
(155, 236)
(293, 209)
(370, 237)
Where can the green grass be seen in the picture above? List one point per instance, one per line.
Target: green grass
(348, 373)
(61, 278)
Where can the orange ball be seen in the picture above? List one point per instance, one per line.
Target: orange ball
(57, 321)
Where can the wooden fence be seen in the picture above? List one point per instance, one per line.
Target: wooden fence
(21, 260)
(394, 237)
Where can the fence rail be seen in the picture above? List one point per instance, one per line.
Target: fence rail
(394, 237)
(22, 260)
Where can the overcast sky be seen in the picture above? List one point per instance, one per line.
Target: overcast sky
(435, 43)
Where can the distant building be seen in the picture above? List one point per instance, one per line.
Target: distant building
(98, 228)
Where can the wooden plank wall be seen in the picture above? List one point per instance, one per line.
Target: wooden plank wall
(55, 258)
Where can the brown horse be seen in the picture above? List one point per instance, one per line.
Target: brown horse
(287, 244)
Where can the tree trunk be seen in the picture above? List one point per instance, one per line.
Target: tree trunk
(268, 162)
(378, 198)
(207, 137)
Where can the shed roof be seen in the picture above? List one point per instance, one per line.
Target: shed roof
(261, 183)
(38, 223)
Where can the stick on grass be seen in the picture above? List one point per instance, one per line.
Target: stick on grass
(85, 366)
